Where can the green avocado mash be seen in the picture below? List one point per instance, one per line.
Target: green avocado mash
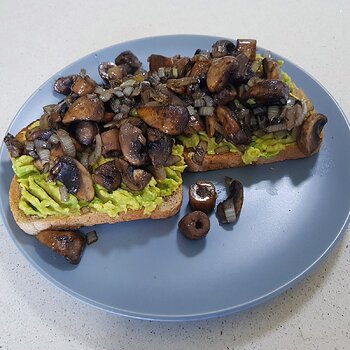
(42, 198)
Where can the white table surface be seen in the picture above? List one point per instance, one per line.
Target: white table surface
(37, 38)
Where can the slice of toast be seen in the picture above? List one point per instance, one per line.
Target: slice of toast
(32, 225)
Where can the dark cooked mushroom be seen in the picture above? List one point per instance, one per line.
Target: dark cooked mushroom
(69, 244)
(267, 92)
(85, 108)
(248, 47)
(108, 176)
(225, 95)
(243, 71)
(14, 147)
(129, 60)
(171, 120)
(75, 177)
(85, 132)
(230, 209)
(103, 69)
(134, 179)
(223, 48)
(83, 86)
(110, 141)
(194, 125)
(39, 133)
(310, 135)
(159, 61)
(133, 144)
(200, 69)
(272, 69)
(202, 196)
(195, 225)
(63, 85)
(159, 147)
(219, 72)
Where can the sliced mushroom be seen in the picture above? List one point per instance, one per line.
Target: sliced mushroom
(194, 125)
(310, 136)
(159, 61)
(129, 60)
(159, 147)
(219, 73)
(133, 144)
(14, 147)
(200, 69)
(195, 225)
(182, 65)
(103, 69)
(75, 177)
(225, 95)
(108, 176)
(202, 196)
(223, 48)
(248, 47)
(63, 85)
(268, 92)
(229, 210)
(69, 244)
(85, 108)
(179, 85)
(272, 69)
(110, 141)
(243, 72)
(171, 120)
(83, 86)
(134, 179)
(39, 133)
(85, 132)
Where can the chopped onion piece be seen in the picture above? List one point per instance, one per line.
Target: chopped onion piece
(206, 111)
(66, 142)
(91, 237)
(199, 102)
(54, 139)
(272, 112)
(64, 193)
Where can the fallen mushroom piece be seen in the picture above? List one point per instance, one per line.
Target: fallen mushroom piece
(267, 92)
(133, 144)
(63, 85)
(310, 135)
(108, 176)
(85, 108)
(195, 225)
(14, 147)
(219, 72)
(69, 244)
(202, 196)
(85, 132)
(272, 69)
(159, 147)
(223, 48)
(171, 120)
(229, 210)
(83, 86)
(110, 141)
(131, 62)
(248, 47)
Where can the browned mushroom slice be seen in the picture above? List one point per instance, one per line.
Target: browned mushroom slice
(129, 60)
(134, 179)
(14, 147)
(159, 61)
(132, 144)
(272, 69)
(110, 141)
(179, 85)
(223, 48)
(159, 147)
(108, 176)
(63, 85)
(310, 136)
(182, 65)
(171, 120)
(85, 108)
(85, 132)
(268, 92)
(225, 95)
(194, 125)
(248, 47)
(219, 73)
(69, 244)
(243, 71)
(83, 86)
(200, 69)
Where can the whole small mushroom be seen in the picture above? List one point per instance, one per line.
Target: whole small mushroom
(85, 132)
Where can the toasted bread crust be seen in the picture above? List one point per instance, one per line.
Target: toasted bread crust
(33, 225)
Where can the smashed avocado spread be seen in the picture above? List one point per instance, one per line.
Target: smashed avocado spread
(40, 197)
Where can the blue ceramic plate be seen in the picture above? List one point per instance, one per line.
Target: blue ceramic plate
(294, 213)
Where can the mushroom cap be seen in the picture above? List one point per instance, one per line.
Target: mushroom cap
(195, 225)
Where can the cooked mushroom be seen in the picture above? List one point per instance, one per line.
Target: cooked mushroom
(14, 147)
(108, 176)
(103, 69)
(134, 179)
(39, 133)
(225, 95)
(200, 69)
(267, 92)
(230, 209)
(159, 147)
(223, 48)
(159, 61)
(182, 66)
(272, 69)
(85, 108)
(85, 132)
(129, 60)
(194, 125)
(171, 120)
(75, 177)
(219, 72)
(69, 244)
(179, 85)
(63, 85)
(242, 73)
(310, 136)
(110, 141)
(248, 47)
(202, 196)
(195, 225)
(133, 144)
(83, 86)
